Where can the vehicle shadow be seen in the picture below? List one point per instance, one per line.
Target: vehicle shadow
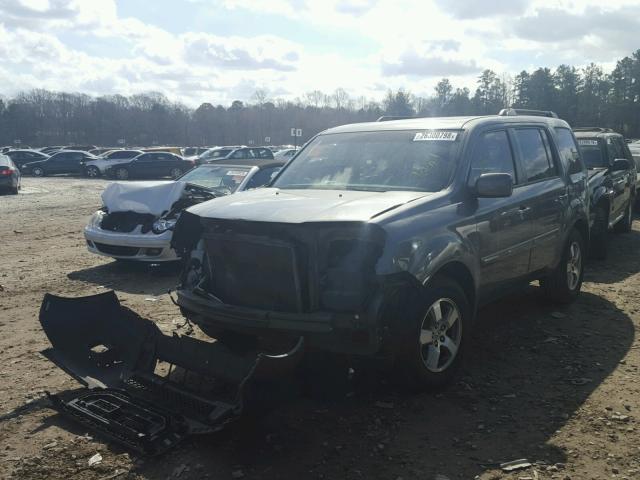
(528, 371)
(622, 262)
(131, 277)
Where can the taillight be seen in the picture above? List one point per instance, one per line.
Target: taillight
(5, 172)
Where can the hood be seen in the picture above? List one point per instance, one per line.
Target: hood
(154, 198)
(298, 206)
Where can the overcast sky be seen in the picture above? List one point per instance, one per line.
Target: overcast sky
(221, 50)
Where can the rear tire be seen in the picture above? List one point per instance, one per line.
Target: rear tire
(92, 172)
(599, 234)
(175, 173)
(625, 224)
(430, 347)
(563, 285)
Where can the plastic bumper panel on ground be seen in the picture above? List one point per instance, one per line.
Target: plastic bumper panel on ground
(147, 390)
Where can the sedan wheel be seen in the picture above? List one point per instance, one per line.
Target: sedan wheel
(440, 335)
(38, 172)
(175, 172)
(122, 174)
(93, 172)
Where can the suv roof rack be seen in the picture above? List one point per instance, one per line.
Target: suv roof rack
(512, 112)
(388, 118)
(594, 129)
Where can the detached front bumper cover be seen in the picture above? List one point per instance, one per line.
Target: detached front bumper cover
(147, 390)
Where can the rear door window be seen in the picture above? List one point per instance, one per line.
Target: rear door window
(493, 155)
(534, 154)
(569, 153)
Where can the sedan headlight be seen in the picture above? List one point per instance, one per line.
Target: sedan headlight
(162, 225)
(96, 219)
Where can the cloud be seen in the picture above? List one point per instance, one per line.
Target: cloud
(412, 63)
(355, 7)
(470, 9)
(265, 52)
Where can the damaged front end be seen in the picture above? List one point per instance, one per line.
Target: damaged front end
(147, 390)
(277, 280)
(137, 221)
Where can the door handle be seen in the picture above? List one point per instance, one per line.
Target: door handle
(523, 211)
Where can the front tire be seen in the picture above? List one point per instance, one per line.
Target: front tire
(121, 174)
(37, 172)
(430, 351)
(563, 285)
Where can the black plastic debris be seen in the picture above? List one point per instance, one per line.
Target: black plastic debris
(147, 390)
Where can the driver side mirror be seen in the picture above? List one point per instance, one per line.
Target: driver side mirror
(494, 185)
(620, 164)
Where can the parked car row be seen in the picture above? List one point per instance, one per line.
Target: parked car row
(122, 164)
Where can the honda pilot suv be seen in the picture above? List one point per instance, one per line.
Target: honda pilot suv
(612, 183)
(382, 239)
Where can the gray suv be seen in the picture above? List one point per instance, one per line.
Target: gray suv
(382, 239)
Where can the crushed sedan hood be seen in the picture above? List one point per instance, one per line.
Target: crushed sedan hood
(154, 198)
(298, 206)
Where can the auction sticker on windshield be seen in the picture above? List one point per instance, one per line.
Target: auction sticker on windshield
(435, 136)
(588, 143)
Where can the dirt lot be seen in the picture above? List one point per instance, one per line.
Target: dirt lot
(557, 387)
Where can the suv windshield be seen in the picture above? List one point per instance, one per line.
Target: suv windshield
(216, 177)
(591, 152)
(407, 160)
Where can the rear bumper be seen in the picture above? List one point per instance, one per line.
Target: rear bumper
(352, 333)
(145, 247)
(8, 182)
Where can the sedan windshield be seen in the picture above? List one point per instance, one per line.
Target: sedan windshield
(211, 154)
(217, 177)
(591, 152)
(407, 160)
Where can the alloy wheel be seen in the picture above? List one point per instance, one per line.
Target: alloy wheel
(122, 174)
(440, 335)
(175, 172)
(574, 265)
(92, 172)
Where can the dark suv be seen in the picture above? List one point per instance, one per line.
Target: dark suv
(384, 238)
(612, 183)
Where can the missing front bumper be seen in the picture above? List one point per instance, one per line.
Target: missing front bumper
(147, 390)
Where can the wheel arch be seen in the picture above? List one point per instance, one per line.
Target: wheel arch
(582, 225)
(462, 275)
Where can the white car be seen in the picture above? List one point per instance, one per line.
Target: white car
(286, 154)
(98, 167)
(137, 218)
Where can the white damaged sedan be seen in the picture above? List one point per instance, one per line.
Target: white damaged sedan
(137, 218)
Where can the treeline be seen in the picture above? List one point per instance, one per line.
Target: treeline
(584, 97)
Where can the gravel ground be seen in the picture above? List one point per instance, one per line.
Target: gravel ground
(558, 387)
